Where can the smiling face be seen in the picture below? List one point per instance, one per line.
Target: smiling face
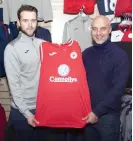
(101, 29)
(28, 22)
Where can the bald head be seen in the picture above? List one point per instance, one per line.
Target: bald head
(101, 28)
(100, 19)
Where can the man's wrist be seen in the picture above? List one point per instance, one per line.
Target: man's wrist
(27, 114)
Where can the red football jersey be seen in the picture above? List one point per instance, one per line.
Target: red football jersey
(127, 36)
(74, 6)
(123, 7)
(63, 95)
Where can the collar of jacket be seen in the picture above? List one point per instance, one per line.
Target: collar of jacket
(82, 18)
(101, 46)
(25, 37)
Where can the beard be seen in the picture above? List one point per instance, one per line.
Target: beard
(26, 33)
(102, 40)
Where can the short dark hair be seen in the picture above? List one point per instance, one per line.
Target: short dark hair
(26, 8)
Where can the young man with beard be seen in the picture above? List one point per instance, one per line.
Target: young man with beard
(22, 65)
(107, 69)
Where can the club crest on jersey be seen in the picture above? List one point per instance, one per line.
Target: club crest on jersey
(73, 55)
(130, 35)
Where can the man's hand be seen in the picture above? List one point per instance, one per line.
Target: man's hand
(91, 118)
(32, 121)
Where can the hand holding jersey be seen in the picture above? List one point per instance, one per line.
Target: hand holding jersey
(32, 121)
(91, 118)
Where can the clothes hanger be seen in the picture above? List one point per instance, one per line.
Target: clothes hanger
(126, 20)
(129, 18)
(81, 12)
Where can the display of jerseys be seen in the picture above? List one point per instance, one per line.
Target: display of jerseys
(124, 34)
(63, 96)
(127, 47)
(10, 8)
(79, 29)
(122, 7)
(107, 7)
(74, 6)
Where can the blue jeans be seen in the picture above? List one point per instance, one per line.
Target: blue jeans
(106, 129)
(23, 131)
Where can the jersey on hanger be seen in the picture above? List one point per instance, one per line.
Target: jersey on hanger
(79, 29)
(106, 8)
(74, 6)
(123, 7)
(63, 95)
(124, 34)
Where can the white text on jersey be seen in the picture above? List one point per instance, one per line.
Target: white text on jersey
(62, 79)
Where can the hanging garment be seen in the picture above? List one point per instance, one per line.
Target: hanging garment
(7, 34)
(123, 34)
(10, 11)
(122, 7)
(13, 31)
(43, 33)
(1, 14)
(127, 47)
(63, 95)
(107, 7)
(74, 6)
(126, 119)
(2, 123)
(3, 43)
(79, 29)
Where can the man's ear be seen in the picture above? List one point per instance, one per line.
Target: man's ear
(18, 23)
(110, 29)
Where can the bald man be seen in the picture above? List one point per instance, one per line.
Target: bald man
(107, 69)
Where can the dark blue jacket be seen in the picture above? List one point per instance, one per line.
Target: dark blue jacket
(107, 68)
(1, 14)
(7, 34)
(3, 43)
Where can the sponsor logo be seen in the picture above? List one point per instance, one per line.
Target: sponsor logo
(63, 71)
(52, 53)
(26, 51)
(76, 28)
(62, 79)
